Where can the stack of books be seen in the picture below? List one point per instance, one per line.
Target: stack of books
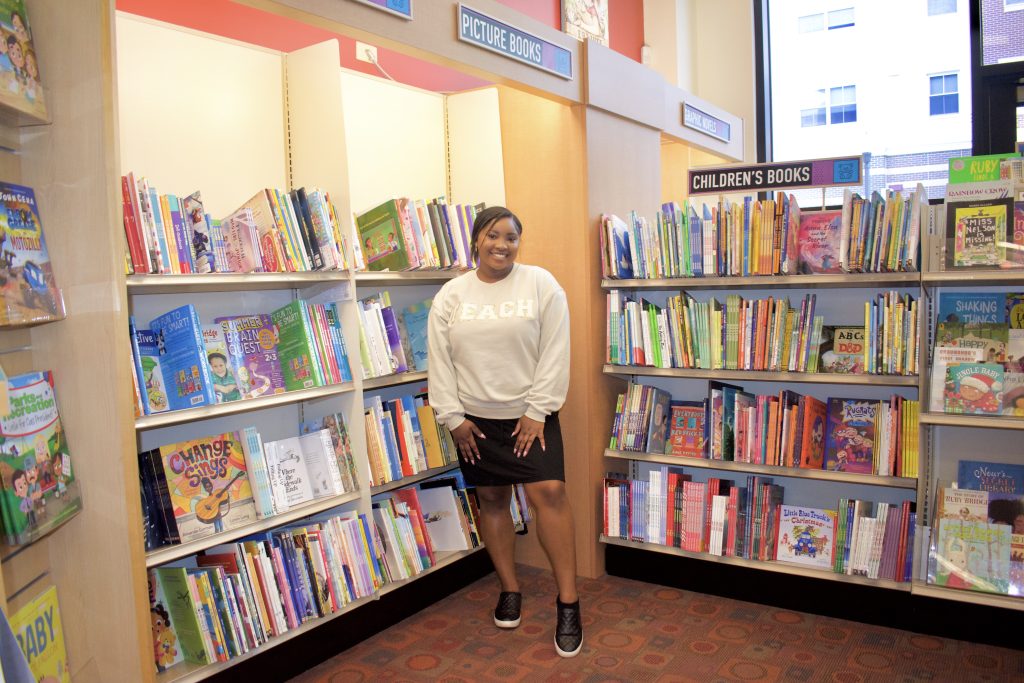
(403, 438)
(392, 341)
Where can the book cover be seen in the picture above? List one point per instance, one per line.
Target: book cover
(186, 371)
(226, 386)
(208, 485)
(996, 477)
(184, 614)
(842, 350)
(975, 169)
(976, 232)
(40, 634)
(27, 283)
(1013, 393)
(151, 378)
(443, 519)
(252, 349)
(241, 242)
(382, 238)
(39, 488)
(850, 435)
(943, 357)
(415, 319)
(166, 649)
(972, 307)
(337, 427)
(819, 241)
(295, 347)
(199, 234)
(657, 428)
(806, 536)
(973, 388)
(991, 338)
(812, 445)
(289, 468)
(20, 83)
(973, 555)
(686, 429)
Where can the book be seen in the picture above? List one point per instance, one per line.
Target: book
(166, 650)
(657, 430)
(443, 519)
(806, 536)
(973, 169)
(382, 237)
(414, 319)
(842, 350)
(251, 342)
(973, 388)
(812, 440)
(149, 375)
(994, 477)
(208, 485)
(819, 238)
(186, 371)
(199, 234)
(226, 386)
(973, 307)
(27, 284)
(296, 350)
(976, 231)
(20, 83)
(39, 488)
(686, 429)
(973, 555)
(850, 435)
(943, 357)
(40, 633)
(337, 428)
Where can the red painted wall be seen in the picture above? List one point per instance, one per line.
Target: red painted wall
(625, 21)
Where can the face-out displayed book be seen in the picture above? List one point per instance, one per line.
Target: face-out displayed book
(21, 86)
(806, 536)
(981, 230)
(28, 290)
(39, 489)
(973, 536)
(37, 626)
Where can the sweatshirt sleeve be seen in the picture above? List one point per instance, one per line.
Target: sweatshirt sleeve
(551, 380)
(442, 387)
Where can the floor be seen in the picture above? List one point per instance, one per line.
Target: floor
(635, 631)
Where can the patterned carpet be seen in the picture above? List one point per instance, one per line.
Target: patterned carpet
(635, 631)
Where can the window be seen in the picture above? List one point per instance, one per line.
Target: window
(944, 95)
(814, 114)
(1013, 4)
(941, 7)
(844, 104)
(811, 22)
(840, 18)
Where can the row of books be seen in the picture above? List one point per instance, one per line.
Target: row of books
(392, 341)
(721, 518)
(403, 438)
(765, 237)
(403, 234)
(196, 488)
(859, 436)
(180, 363)
(273, 232)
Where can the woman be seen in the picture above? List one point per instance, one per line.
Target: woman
(499, 372)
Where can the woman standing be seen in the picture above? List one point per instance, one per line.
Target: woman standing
(499, 372)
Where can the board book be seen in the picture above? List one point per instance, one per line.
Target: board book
(30, 293)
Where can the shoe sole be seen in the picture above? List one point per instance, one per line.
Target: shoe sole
(506, 624)
(563, 653)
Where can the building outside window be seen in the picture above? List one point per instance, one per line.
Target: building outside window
(814, 114)
(811, 22)
(943, 95)
(941, 7)
(844, 104)
(842, 18)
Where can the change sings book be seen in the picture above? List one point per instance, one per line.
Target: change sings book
(30, 294)
(806, 536)
(39, 489)
(37, 626)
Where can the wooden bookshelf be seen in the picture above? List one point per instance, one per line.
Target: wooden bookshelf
(977, 421)
(764, 376)
(408, 277)
(973, 597)
(175, 417)
(442, 559)
(394, 380)
(777, 567)
(230, 282)
(837, 281)
(176, 552)
(772, 470)
(971, 278)
(412, 479)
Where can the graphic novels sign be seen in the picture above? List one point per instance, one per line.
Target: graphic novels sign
(777, 176)
(496, 36)
(402, 8)
(706, 123)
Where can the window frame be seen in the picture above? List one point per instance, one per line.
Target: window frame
(944, 94)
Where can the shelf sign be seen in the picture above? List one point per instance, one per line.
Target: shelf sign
(706, 123)
(402, 8)
(509, 41)
(777, 176)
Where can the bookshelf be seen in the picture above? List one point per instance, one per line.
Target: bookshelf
(763, 376)
(823, 281)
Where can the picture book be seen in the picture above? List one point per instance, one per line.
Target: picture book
(850, 435)
(39, 491)
(241, 242)
(21, 86)
(973, 388)
(287, 468)
(812, 441)
(806, 536)
(226, 386)
(148, 372)
(1015, 311)
(1015, 241)
(40, 633)
(208, 485)
(414, 318)
(295, 347)
(1013, 393)
(943, 357)
(381, 302)
(337, 427)
(962, 504)
(991, 338)
(657, 431)
(973, 555)
(183, 614)
(819, 239)
(30, 293)
(686, 429)
(382, 238)
(972, 307)
(199, 234)
(252, 349)
(443, 519)
(166, 650)
(974, 169)
(842, 350)
(186, 371)
(1006, 508)
(976, 232)
(991, 476)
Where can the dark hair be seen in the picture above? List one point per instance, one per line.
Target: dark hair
(216, 354)
(485, 218)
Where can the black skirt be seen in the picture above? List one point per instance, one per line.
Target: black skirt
(498, 464)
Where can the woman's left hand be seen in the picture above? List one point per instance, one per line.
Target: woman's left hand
(527, 430)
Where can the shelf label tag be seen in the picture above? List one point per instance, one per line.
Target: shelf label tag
(490, 34)
(706, 123)
(777, 176)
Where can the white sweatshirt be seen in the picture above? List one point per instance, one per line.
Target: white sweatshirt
(499, 350)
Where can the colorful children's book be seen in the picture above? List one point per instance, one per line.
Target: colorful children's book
(337, 427)
(226, 385)
(199, 234)
(184, 613)
(973, 555)
(40, 634)
(241, 242)
(252, 350)
(382, 237)
(812, 440)
(991, 338)
(208, 485)
(943, 357)
(842, 350)
(806, 536)
(972, 307)
(295, 347)
(974, 169)
(1013, 392)
(976, 232)
(414, 318)
(20, 84)
(819, 239)
(166, 650)
(39, 491)
(973, 388)
(186, 372)
(850, 435)
(657, 431)
(686, 429)
(149, 375)
(27, 286)
(994, 477)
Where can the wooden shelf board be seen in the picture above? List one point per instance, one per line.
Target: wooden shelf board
(778, 567)
(394, 380)
(176, 552)
(187, 672)
(798, 472)
(974, 277)
(230, 282)
(839, 280)
(407, 277)
(764, 376)
(443, 559)
(975, 597)
(412, 479)
(980, 421)
(221, 409)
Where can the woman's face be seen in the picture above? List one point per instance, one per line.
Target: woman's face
(498, 245)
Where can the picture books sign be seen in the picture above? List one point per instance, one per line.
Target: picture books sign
(496, 36)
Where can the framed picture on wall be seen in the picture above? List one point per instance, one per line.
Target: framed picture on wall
(586, 19)
(20, 84)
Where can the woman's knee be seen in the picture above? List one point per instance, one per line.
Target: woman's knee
(546, 494)
(494, 497)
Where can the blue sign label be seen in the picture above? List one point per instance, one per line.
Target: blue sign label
(496, 36)
(402, 8)
(706, 123)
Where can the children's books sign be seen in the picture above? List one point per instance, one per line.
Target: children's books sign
(20, 85)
